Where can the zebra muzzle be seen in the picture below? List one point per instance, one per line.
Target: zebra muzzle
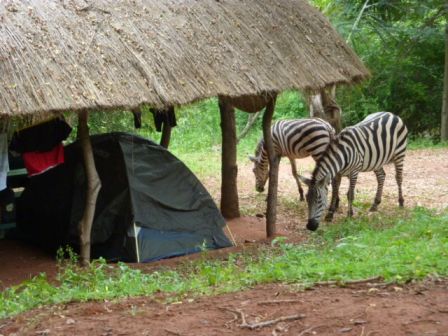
(312, 224)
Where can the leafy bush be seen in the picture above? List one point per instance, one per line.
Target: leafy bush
(402, 43)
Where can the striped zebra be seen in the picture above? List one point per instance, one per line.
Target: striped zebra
(295, 139)
(379, 139)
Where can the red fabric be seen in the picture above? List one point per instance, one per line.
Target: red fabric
(39, 162)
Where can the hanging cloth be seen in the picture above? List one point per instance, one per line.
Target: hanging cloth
(137, 118)
(4, 164)
(42, 137)
(166, 116)
(41, 145)
(39, 162)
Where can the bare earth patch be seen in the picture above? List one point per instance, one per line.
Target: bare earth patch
(278, 309)
(419, 309)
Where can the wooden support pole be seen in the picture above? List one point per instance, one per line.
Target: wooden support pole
(229, 169)
(274, 160)
(166, 130)
(93, 187)
(166, 135)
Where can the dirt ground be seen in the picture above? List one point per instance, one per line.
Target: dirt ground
(361, 309)
(420, 309)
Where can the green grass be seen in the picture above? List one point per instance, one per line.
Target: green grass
(409, 245)
(426, 143)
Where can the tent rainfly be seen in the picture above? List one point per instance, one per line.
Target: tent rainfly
(84, 55)
(151, 206)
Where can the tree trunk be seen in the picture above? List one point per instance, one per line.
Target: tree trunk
(250, 122)
(332, 111)
(229, 168)
(444, 124)
(274, 160)
(93, 187)
(323, 105)
(315, 105)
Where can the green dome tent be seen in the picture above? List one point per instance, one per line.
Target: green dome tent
(150, 206)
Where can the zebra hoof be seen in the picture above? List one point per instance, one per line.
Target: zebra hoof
(329, 217)
(373, 208)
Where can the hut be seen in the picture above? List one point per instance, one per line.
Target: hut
(85, 55)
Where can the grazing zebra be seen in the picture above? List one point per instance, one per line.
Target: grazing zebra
(379, 139)
(295, 139)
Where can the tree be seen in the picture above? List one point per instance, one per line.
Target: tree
(402, 43)
(444, 121)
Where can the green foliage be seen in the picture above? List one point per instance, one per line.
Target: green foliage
(401, 247)
(402, 43)
(198, 127)
(290, 105)
(404, 82)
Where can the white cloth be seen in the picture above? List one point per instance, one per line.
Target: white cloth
(4, 164)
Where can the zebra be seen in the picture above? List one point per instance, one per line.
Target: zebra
(295, 138)
(379, 139)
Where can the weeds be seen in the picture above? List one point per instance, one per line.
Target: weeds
(410, 245)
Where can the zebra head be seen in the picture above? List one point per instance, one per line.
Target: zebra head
(261, 173)
(316, 199)
(260, 169)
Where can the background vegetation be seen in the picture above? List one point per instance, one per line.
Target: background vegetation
(402, 43)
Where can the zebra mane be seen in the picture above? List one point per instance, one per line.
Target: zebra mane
(314, 173)
(259, 149)
(333, 136)
(339, 137)
(334, 142)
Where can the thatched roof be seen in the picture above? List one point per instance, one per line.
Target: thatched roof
(58, 55)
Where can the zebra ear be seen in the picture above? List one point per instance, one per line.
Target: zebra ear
(325, 181)
(305, 180)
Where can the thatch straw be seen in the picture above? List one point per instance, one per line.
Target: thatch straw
(59, 55)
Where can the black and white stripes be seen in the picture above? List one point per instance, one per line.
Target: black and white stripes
(379, 139)
(294, 139)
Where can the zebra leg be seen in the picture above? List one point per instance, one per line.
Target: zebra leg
(296, 177)
(351, 192)
(334, 204)
(380, 177)
(399, 177)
